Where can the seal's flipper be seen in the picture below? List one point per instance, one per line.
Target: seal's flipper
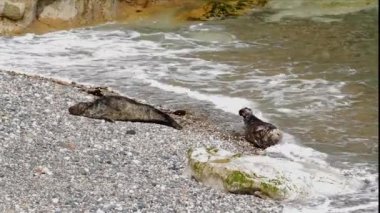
(109, 120)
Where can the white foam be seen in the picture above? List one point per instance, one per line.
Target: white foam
(324, 207)
(286, 111)
(291, 93)
(228, 104)
(325, 178)
(205, 27)
(359, 207)
(84, 53)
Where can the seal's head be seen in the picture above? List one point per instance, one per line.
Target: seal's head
(79, 109)
(245, 112)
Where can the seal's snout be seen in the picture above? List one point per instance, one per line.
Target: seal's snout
(73, 110)
(245, 112)
(78, 109)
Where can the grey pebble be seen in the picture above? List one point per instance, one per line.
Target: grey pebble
(131, 132)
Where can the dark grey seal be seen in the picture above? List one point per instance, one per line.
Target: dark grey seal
(119, 108)
(258, 132)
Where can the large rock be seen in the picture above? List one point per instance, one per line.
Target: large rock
(12, 10)
(16, 15)
(74, 12)
(63, 9)
(266, 176)
(235, 173)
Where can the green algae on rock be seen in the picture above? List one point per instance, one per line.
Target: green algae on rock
(221, 9)
(219, 168)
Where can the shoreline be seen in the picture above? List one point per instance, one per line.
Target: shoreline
(55, 161)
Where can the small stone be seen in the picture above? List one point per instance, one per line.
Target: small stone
(136, 162)
(179, 112)
(131, 132)
(55, 200)
(174, 167)
(97, 146)
(85, 171)
(118, 207)
(41, 170)
(141, 205)
(70, 146)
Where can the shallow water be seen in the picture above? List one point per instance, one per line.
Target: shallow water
(315, 75)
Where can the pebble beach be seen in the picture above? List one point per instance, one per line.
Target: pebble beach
(55, 162)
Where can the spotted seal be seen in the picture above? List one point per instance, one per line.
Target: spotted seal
(258, 132)
(119, 108)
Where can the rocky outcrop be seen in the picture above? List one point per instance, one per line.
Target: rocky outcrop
(76, 13)
(219, 9)
(16, 15)
(12, 10)
(64, 10)
(38, 16)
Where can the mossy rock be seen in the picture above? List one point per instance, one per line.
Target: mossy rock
(216, 167)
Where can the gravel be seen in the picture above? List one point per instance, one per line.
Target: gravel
(53, 161)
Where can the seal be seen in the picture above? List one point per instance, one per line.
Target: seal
(258, 132)
(119, 108)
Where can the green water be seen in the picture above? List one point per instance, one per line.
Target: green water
(344, 51)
